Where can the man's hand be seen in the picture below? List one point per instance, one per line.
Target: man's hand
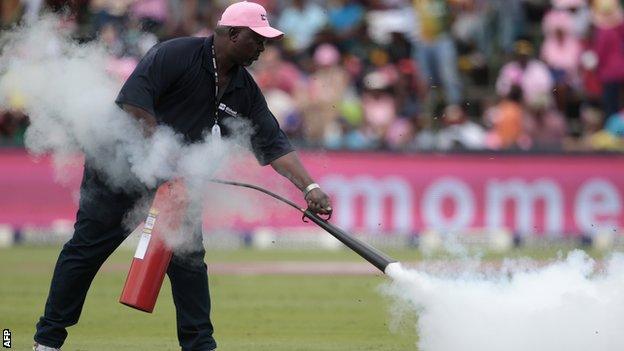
(290, 167)
(318, 202)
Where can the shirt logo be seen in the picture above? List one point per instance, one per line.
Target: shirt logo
(229, 111)
(263, 16)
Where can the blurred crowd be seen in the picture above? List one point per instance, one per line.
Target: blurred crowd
(419, 75)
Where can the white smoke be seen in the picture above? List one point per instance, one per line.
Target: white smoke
(69, 96)
(569, 305)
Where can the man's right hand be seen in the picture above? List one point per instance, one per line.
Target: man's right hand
(319, 202)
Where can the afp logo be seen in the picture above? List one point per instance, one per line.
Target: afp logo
(6, 338)
(263, 16)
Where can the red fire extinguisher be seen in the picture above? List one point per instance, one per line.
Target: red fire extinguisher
(152, 255)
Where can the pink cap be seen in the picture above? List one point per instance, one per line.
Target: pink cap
(250, 15)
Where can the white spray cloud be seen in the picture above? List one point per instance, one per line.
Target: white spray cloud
(568, 305)
(69, 96)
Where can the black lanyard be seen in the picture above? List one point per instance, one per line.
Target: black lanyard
(216, 130)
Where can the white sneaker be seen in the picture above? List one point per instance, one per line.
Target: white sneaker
(39, 347)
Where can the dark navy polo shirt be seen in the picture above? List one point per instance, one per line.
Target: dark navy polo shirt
(175, 83)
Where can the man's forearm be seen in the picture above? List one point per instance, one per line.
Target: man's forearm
(291, 167)
(146, 119)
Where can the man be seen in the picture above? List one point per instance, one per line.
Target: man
(436, 53)
(195, 86)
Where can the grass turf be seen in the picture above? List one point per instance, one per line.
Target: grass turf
(267, 312)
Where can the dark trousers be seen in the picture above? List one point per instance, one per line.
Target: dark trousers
(98, 231)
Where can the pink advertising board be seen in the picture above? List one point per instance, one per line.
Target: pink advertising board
(385, 193)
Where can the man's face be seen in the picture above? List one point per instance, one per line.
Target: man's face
(247, 46)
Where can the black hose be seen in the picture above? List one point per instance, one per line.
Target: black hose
(366, 251)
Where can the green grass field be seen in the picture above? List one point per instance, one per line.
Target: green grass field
(250, 312)
(266, 312)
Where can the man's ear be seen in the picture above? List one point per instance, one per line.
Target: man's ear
(233, 33)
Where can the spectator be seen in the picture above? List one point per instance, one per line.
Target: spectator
(387, 17)
(109, 36)
(351, 135)
(357, 139)
(506, 121)
(424, 137)
(530, 75)
(593, 136)
(302, 20)
(344, 17)
(13, 124)
(561, 48)
(280, 80)
(192, 17)
(153, 14)
(459, 132)
(615, 124)
(284, 109)
(561, 51)
(399, 48)
(136, 41)
(378, 105)
(469, 25)
(474, 43)
(321, 96)
(545, 128)
(399, 134)
(580, 13)
(109, 11)
(407, 90)
(608, 19)
(509, 18)
(13, 121)
(273, 72)
(392, 62)
(435, 51)
(366, 51)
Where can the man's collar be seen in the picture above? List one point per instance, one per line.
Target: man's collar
(237, 75)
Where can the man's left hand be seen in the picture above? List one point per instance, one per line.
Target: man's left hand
(318, 202)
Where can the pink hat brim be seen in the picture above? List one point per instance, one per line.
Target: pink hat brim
(268, 32)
